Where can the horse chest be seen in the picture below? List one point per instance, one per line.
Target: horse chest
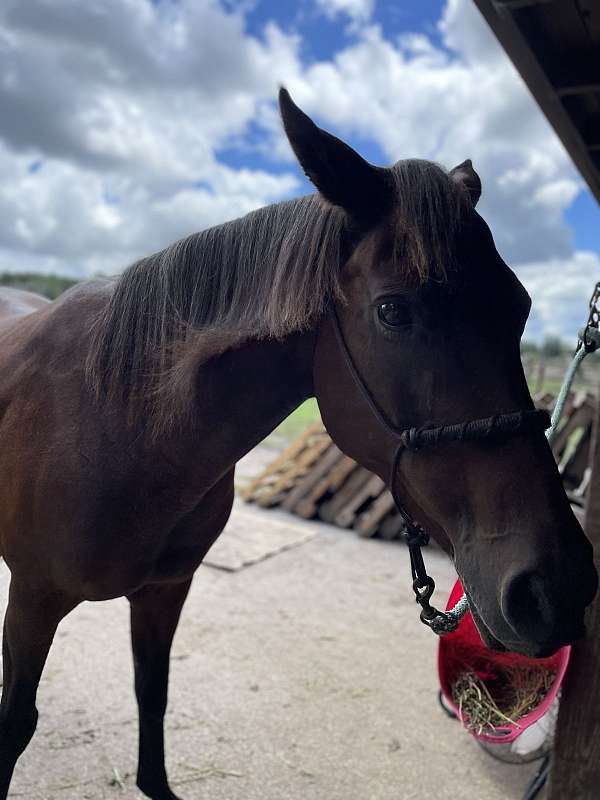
(120, 537)
(187, 542)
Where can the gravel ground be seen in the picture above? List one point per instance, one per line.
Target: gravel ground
(306, 676)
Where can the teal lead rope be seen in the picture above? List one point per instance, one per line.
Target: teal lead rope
(448, 621)
(588, 342)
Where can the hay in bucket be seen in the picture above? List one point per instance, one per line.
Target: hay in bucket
(504, 696)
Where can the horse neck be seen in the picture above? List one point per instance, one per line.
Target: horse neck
(243, 395)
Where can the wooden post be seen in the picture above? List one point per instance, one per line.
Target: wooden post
(575, 773)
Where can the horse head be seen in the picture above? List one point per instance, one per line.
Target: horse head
(431, 320)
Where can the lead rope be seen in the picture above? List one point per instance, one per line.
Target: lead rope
(588, 342)
(496, 427)
(441, 622)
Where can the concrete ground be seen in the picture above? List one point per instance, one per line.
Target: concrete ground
(306, 676)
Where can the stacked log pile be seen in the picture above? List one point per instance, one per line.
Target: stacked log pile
(312, 478)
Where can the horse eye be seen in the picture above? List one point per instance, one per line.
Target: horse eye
(393, 314)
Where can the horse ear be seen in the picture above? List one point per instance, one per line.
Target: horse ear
(465, 175)
(336, 170)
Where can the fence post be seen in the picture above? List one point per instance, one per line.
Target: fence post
(575, 772)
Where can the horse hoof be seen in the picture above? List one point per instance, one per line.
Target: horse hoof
(164, 793)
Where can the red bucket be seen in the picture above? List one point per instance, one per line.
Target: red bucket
(464, 650)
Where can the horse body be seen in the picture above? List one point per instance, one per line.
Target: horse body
(110, 507)
(124, 406)
(93, 507)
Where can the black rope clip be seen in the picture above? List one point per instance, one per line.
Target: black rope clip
(590, 338)
(423, 593)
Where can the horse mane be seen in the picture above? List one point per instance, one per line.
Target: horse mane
(265, 275)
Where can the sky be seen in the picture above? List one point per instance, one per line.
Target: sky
(128, 124)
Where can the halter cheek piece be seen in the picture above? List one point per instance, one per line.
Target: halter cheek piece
(496, 428)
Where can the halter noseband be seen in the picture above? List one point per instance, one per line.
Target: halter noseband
(495, 428)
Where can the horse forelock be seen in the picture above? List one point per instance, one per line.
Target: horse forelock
(428, 210)
(265, 275)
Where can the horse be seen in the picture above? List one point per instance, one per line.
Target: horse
(126, 403)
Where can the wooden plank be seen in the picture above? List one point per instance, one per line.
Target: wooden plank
(367, 523)
(288, 455)
(347, 514)
(357, 478)
(313, 477)
(521, 45)
(540, 375)
(329, 484)
(573, 468)
(580, 415)
(581, 491)
(545, 400)
(272, 495)
(575, 771)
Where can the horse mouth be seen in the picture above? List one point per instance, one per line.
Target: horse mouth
(532, 650)
(487, 636)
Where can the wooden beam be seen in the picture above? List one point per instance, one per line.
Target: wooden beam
(578, 88)
(576, 764)
(514, 41)
(515, 4)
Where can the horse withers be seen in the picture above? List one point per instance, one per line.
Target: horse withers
(125, 404)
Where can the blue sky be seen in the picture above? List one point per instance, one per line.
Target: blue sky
(583, 215)
(126, 126)
(323, 37)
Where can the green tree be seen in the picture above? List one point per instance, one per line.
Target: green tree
(553, 347)
(50, 286)
(528, 346)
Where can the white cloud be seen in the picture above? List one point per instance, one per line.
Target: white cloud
(561, 288)
(416, 99)
(133, 86)
(65, 215)
(125, 105)
(358, 10)
(465, 32)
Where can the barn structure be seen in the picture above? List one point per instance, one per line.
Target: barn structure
(555, 46)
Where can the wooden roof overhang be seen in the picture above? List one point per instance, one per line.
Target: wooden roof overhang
(555, 45)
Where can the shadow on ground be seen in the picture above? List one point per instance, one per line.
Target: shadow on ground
(305, 676)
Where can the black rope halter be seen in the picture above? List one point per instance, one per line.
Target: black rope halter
(495, 428)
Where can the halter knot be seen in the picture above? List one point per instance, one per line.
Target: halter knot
(415, 536)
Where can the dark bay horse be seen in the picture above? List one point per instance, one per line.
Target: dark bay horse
(125, 404)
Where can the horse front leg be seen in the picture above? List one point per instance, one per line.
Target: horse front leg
(155, 612)
(29, 626)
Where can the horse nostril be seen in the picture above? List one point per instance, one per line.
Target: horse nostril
(527, 608)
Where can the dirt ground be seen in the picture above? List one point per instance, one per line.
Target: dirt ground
(306, 676)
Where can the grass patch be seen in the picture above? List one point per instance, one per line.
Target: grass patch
(298, 420)
(553, 386)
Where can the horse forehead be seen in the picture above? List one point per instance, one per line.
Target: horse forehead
(375, 259)
(377, 264)
(365, 258)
